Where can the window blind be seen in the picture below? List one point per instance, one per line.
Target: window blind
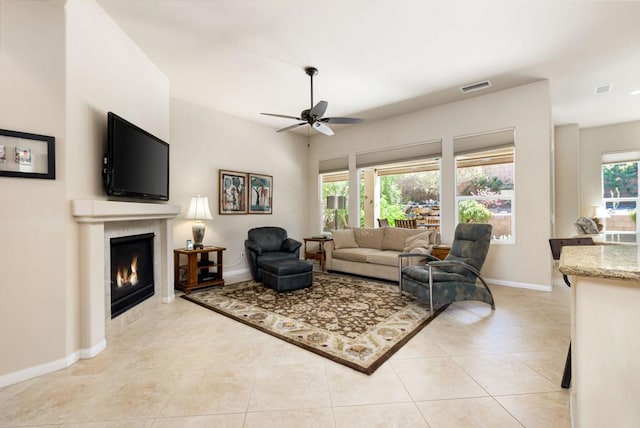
(399, 154)
(481, 142)
(333, 165)
(620, 157)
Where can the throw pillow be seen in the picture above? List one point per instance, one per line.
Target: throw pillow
(343, 239)
(421, 250)
(418, 246)
(424, 237)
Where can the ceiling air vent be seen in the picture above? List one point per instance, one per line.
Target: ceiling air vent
(476, 86)
(603, 89)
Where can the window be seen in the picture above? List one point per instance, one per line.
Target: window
(401, 182)
(334, 184)
(485, 189)
(410, 190)
(619, 198)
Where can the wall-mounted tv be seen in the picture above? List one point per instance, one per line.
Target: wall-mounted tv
(136, 164)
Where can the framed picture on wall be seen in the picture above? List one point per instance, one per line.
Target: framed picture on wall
(233, 192)
(27, 155)
(260, 194)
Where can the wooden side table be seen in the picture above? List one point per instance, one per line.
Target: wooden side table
(316, 254)
(440, 251)
(194, 269)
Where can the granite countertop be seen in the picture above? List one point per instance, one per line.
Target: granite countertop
(602, 261)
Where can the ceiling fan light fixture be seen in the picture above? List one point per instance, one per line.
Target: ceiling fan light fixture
(322, 128)
(478, 86)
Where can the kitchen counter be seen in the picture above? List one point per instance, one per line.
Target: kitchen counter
(601, 261)
(605, 344)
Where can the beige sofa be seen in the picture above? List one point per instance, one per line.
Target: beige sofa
(374, 252)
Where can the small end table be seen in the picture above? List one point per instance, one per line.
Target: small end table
(440, 251)
(198, 270)
(316, 254)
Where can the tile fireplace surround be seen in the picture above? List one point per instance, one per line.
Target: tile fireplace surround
(92, 215)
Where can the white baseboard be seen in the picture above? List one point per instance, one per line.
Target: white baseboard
(39, 370)
(42, 369)
(93, 351)
(528, 286)
(31, 372)
(235, 272)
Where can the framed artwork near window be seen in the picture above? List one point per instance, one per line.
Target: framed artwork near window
(260, 194)
(233, 192)
(27, 155)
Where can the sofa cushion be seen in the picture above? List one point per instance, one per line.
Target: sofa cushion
(369, 238)
(388, 257)
(354, 254)
(343, 239)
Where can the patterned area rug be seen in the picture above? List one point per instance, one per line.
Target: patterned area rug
(355, 322)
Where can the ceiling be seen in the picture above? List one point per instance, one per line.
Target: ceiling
(380, 58)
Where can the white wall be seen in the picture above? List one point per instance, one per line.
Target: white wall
(203, 142)
(63, 65)
(567, 179)
(594, 142)
(528, 110)
(33, 212)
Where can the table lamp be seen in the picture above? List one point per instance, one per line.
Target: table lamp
(198, 211)
(336, 203)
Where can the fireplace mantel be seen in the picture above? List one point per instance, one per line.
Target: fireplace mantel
(91, 215)
(92, 211)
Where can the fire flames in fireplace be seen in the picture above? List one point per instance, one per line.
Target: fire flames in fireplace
(131, 271)
(128, 276)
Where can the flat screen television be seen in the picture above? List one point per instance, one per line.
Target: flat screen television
(136, 164)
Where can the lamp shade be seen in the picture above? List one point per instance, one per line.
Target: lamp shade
(336, 202)
(199, 208)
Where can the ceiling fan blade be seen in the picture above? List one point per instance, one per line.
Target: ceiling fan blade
(341, 120)
(281, 115)
(291, 127)
(318, 110)
(313, 116)
(322, 128)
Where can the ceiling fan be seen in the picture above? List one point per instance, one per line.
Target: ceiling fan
(313, 115)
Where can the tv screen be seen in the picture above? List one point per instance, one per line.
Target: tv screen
(137, 163)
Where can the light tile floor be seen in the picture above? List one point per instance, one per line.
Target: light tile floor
(185, 366)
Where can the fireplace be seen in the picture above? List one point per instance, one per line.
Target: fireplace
(131, 271)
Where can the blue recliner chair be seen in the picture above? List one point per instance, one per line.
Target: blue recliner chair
(441, 282)
(268, 244)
